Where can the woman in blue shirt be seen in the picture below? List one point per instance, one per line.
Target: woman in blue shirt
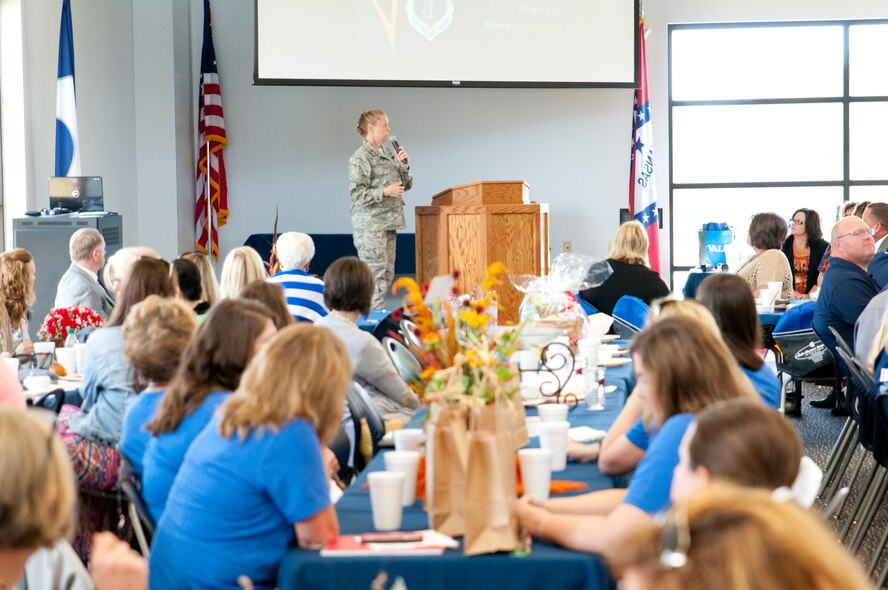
(681, 367)
(253, 481)
(212, 365)
(155, 333)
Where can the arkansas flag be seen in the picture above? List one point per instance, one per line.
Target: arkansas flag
(642, 189)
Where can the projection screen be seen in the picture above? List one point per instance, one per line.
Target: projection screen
(521, 43)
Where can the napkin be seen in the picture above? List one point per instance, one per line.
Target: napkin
(585, 434)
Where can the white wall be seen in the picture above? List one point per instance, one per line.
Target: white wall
(289, 146)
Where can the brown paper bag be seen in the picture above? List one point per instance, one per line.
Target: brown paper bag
(490, 521)
(449, 455)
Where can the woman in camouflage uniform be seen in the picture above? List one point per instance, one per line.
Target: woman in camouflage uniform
(377, 179)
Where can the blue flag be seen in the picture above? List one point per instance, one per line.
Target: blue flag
(67, 151)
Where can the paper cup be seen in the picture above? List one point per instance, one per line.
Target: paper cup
(13, 363)
(409, 439)
(768, 296)
(553, 412)
(588, 348)
(536, 471)
(553, 436)
(43, 352)
(67, 357)
(776, 285)
(386, 493)
(527, 360)
(81, 357)
(405, 462)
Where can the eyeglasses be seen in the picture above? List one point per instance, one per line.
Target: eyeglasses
(797, 221)
(858, 233)
(675, 541)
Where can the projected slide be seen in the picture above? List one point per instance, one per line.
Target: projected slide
(520, 42)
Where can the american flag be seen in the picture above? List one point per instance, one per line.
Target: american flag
(642, 190)
(211, 194)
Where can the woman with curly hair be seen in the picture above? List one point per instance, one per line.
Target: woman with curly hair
(19, 273)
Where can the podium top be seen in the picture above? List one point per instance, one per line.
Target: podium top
(485, 192)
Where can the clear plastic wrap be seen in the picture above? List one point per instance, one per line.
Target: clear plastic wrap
(550, 301)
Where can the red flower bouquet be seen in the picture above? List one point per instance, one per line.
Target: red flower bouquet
(60, 319)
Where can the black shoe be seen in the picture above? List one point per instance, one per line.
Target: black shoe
(827, 402)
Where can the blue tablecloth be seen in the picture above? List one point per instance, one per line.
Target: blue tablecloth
(693, 283)
(548, 566)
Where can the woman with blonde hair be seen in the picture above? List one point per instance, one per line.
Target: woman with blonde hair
(628, 259)
(37, 498)
(208, 282)
(155, 334)
(19, 273)
(210, 369)
(680, 367)
(254, 480)
(121, 262)
(242, 266)
(737, 539)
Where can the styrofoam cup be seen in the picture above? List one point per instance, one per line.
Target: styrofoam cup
(536, 471)
(553, 436)
(553, 412)
(67, 357)
(409, 439)
(386, 493)
(776, 285)
(406, 462)
(81, 357)
(527, 360)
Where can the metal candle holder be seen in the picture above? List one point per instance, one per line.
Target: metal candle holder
(557, 360)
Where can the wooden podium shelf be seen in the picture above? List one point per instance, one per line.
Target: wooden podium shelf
(471, 226)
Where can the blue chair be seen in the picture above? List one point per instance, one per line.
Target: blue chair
(630, 314)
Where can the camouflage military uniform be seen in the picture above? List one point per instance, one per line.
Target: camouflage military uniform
(375, 218)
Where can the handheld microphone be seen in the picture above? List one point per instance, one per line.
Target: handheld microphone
(395, 143)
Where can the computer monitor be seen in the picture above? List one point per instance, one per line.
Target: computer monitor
(76, 193)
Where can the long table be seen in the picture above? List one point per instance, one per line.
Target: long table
(548, 566)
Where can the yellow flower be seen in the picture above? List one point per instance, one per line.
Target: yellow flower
(490, 278)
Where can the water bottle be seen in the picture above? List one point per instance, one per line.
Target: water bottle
(71, 341)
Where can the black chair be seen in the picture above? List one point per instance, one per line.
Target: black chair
(345, 454)
(362, 405)
(143, 522)
(804, 358)
(53, 400)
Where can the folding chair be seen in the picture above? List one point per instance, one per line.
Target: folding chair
(143, 522)
(405, 363)
(629, 315)
(362, 405)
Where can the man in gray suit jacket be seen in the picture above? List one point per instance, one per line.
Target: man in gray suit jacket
(80, 283)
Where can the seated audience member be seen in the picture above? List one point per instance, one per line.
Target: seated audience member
(876, 217)
(120, 263)
(766, 234)
(847, 288)
(242, 266)
(254, 481)
(37, 505)
(188, 276)
(272, 296)
(733, 308)
(91, 432)
(305, 293)
(209, 285)
(804, 248)
(80, 283)
(673, 385)
(736, 538)
(846, 209)
(210, 370)
(867, 328)
(745, 444)
(19, 273)
(155, 334)
(632, 275)
(348, 289)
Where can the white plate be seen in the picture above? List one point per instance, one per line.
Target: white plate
(614, 362)
(610, 337)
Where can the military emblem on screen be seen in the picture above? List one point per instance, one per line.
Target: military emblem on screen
(430, 18)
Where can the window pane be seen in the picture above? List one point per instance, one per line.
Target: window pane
(757, 143)
(873, 194)
(692, 208)
(868, 48)
(767, 62)
(869, 152)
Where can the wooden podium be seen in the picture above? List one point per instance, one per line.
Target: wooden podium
(470, 226)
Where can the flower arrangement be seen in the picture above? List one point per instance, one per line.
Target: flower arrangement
(466, 359)
(60, 319)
